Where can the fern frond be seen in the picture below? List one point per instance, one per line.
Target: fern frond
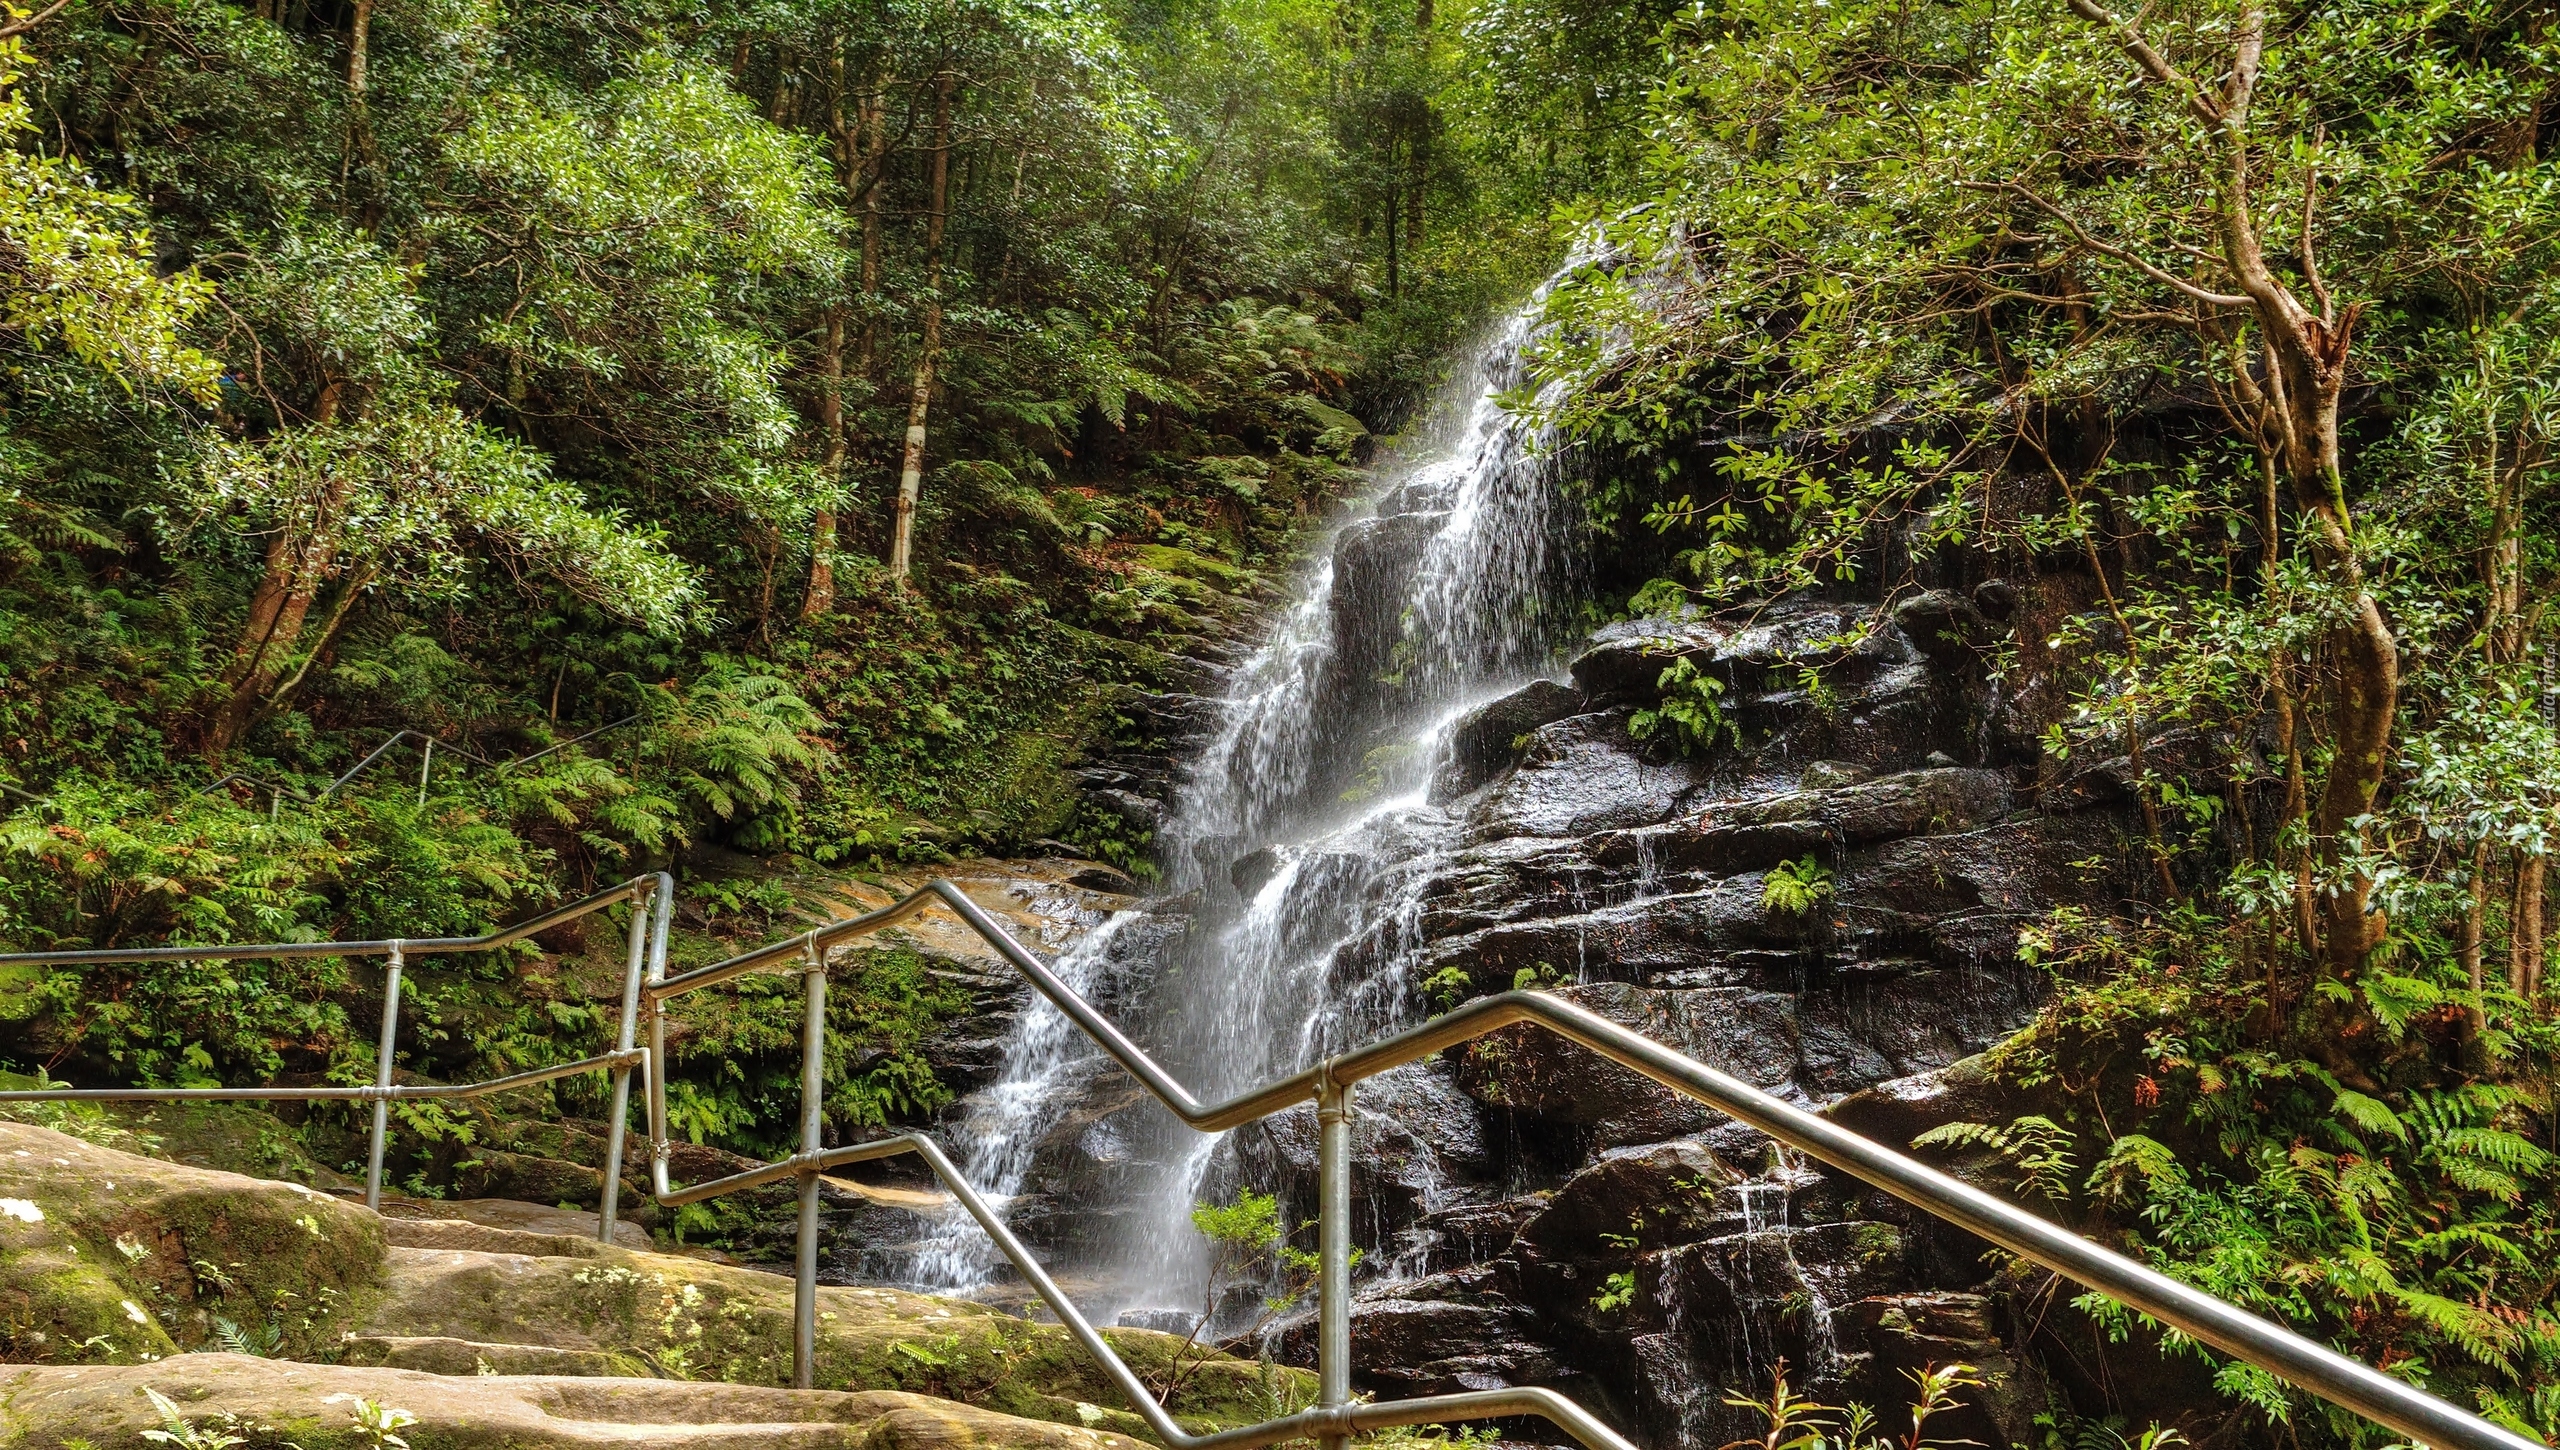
(2371, 1114)
(2481, 1178)
(2477, 1332)
(2445, 1241)
(2507, 1150)
(1963, 1135)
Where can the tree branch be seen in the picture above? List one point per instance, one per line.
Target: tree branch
(21, 27)
(2106, 249)
(2198, 103)
(2243, 85)
(2311, 263)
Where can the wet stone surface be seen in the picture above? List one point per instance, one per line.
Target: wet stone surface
(1530, 1215)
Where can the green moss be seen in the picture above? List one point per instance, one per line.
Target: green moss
(19, 998)
(1199, 568)
(134, 1258)
(61, 1306)
(233, 1137)
(1875, 1243)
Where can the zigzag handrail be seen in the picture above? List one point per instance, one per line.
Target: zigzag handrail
(2313, 1367)
(1329, 1084)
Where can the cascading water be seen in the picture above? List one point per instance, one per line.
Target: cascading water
(1300, 838)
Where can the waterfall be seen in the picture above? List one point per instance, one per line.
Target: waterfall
(1299, 840)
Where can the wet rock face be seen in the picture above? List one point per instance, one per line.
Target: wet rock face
(1824, 903)
(1631, 1245)
(1492, 736)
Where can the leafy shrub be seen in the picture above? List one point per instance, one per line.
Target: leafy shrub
(1691, 709)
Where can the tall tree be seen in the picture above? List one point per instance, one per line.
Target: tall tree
(929, 346)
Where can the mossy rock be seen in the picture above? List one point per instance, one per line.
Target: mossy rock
(106, 1256)
(497, 1174)
(687, 1318)
(271, 1403)
(437, 1355)
(1200, 568)
(111, 1258)
(231, 1137)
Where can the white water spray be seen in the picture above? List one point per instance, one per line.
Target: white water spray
(1301, 836)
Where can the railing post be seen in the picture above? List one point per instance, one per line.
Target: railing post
(426, 763)
(618, 1125)
(1333, 1250)
(662, 910)
(382, 1081)
(813, 1096)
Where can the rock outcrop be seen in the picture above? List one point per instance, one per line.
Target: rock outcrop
(267, 1402)
(1823, 900)
(108, 1257)
(1662, 1256)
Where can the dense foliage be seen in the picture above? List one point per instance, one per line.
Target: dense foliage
(762, 442)
(2239, 314)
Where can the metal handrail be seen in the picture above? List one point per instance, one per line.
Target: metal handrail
(651, 899)
(430, 744)
(2301, 1361)
(1329, 1085)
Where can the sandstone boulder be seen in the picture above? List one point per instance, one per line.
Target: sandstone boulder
(51, 1407)
(109, 1255)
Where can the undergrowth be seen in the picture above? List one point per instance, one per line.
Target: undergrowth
(2400, 1201)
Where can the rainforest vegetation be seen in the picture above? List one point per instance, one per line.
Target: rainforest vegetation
(782, 436)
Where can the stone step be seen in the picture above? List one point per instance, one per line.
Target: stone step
(102, 1406)
(455, 1233)
(439, 1354)
(108, 1256)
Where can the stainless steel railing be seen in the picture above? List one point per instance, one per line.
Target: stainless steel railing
(651, 898)
(427, 746)
(1329, 1085)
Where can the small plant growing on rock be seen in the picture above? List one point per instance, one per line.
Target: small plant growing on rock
(266, 1343)
(176, 1432)
(1447, 987)
(1692, 709)
(1239, 1235)
(1796, 888)
(1616, 1292)
(1796, 1422)
(1530, 979)
(382, 1423)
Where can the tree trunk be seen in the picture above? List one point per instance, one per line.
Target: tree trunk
(2474, 926)
(297, 565)
(1395, 229)
(358, 39)
(920, 400)
(1415, 192)
(2524, 929)
(821, 594)
(2295, 408)
(875, 119)
(822, 526)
